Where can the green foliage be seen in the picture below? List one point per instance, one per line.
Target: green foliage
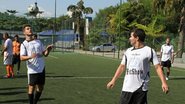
(102, 23)
(154, 29)
(12, 22)
(94, 38)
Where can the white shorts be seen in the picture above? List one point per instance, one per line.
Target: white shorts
(7, 59)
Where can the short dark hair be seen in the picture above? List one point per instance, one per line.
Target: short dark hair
(168, 37)
(16, 36)
(139, 33)
(25, 25)
(6, 34)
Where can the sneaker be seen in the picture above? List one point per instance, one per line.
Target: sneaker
(167, 78)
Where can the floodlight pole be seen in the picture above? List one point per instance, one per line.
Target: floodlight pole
(54, 31)
(119, 29)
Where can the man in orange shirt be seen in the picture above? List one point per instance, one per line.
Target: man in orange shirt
(16, 52)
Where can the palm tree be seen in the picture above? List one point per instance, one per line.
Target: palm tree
(12, 11)
(77, 13)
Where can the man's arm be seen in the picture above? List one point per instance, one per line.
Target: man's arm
(24, 58)
(162, 78)
(117, 74)
(47, 51)
(161, 52)
(172, 55)
(4, 49)
(160, 56)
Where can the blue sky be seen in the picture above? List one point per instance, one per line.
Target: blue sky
(48, 6)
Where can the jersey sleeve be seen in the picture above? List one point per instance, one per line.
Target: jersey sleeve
(124, 58)
(155, 58)
(162, 48)
(6, 43)
(23, 50)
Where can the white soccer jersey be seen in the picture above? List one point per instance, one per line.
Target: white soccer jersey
(8, 54)
(137, 63)
(34, 65)
(8, 44)
(167, 51)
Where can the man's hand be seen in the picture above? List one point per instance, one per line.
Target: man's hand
(110, 85)
(33, 55)
(49, 47)
(165, 88)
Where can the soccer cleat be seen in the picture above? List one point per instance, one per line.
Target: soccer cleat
(18, 72)
(6, 76)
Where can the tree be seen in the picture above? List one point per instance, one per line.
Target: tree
(153, 29)
(77, 13)
(12, 12)
(181, 34)
(158, 6)
(172, 13)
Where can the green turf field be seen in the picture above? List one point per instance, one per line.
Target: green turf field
(81, 79)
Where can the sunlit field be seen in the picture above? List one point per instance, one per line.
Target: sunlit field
(73, 78)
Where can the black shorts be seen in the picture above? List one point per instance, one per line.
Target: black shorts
(16, 58)
(37, 78)
(166, 63)
(137, 97)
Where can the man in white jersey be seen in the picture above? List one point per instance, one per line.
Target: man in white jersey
(136, 64)
(167, 56)
(7, 52)
(32, 52)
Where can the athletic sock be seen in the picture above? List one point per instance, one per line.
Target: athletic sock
(37, 96)
(8, 71)
(30, 96)
(168, 73)
(11, 70)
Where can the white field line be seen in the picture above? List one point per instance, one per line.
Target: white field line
(53, 77)
(53, 56)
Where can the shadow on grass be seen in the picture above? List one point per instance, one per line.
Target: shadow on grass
(20, 76)
(177, 78)
(12, 88)
(25, 75)
(16, 76)
(12, 93)
(23, 101)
